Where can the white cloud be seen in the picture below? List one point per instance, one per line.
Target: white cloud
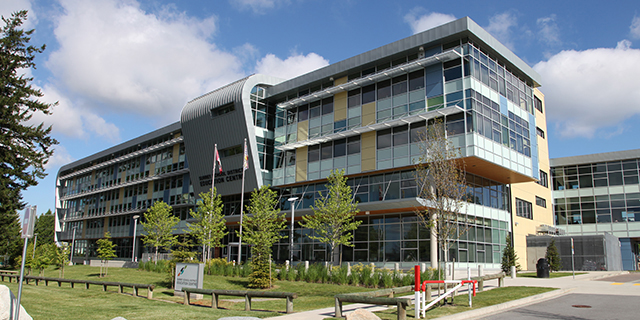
(59, 158)
(500, 26)
(114, 55)
(8, 7)
(548, 31)
(258, 6)
(634, 28)
(73, 119)
(291, 67)
(591, 92)
(426, 21)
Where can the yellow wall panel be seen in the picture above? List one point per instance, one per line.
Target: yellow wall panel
(340, 106)
(368, 153)
(121, 200)
(301, 164)
(152, 169)
(368, 113)
(303, 130)
(176, 153)
(340, 81)
(150, 190)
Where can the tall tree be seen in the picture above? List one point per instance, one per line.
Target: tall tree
(333, 216)
(44, 228)
(263, 224)
(553, 257)
(159, 224)
(210, 226)
(24, 148)
(106, 251)
(440, 176)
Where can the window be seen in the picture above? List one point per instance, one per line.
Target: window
(524, 209)
(541, 202)
(540, 132)
(384, 139)
(215, 112)
(537, 103)
(544, 179)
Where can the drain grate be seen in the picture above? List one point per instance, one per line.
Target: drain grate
(581, 306)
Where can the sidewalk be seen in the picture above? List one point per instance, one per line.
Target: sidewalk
(581, 284)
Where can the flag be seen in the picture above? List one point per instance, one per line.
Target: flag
(217, 159)
(245, 163)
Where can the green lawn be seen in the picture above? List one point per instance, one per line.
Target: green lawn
(55, 302)
(551, 274)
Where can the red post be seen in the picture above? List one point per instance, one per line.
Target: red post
(417, 274)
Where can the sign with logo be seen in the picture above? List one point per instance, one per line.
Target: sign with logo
(189, 275)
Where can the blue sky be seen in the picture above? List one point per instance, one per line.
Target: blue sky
(122, 68)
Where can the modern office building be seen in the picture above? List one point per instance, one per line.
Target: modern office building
(362, 115)
(600, 193)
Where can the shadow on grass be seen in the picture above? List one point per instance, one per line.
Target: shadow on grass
(240, 282)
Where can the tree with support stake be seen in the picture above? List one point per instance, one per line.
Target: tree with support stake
(158, 225)
(209, 227)
(106, 252)
(553, 257)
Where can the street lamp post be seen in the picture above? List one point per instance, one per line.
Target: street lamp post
(135, 224)
(35, 243)
(73, 243)
(293, 210)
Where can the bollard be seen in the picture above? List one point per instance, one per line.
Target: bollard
(306, 266)
(513, 272)
(423, 266)
(397, 266)
(416, 290)
(348, 268)
(480, 274)
(469, 286)
(286, 264)
(373, 267)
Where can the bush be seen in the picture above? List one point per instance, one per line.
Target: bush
(386, 278)
(339, 275)
(163, 266)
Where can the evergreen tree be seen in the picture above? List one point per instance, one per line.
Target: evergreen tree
(553, 257)
(262, 228)
(106, 251)
(159, 224)
(24, 148)
(333, 215)
(509, 257)
(210, 226)
(44, 228)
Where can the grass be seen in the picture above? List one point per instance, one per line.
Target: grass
(54, 302)
(551, 274)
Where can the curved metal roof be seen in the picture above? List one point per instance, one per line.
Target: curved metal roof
(216, 98)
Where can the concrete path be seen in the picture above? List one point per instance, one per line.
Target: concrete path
(612, 283)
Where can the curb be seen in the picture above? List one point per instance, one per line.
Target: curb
(474, 314)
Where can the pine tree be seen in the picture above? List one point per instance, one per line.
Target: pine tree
(24, 148)
(553, 257)
(262, 228)
(333, 215)
(44, 228)
(509, 258)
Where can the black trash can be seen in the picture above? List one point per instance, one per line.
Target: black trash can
(543, 268)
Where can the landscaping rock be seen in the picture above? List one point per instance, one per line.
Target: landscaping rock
(239, 318)
(362, 314)
(8, 305)
(118, 318)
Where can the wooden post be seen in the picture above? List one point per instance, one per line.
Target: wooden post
(247, 302)
(402, 311)
(149, 292)
(480, 284)
(186, 298)
(289, 304)
(214, 301)
(86, 285)
(428, 294)
(71, 283)
(104, 287)
(119, 288)
(501, 281)
(135, 291)
(338, 308)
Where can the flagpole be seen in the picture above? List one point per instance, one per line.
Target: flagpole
(205, 249)
(245, 165)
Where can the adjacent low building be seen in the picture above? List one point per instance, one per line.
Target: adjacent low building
(363, 115)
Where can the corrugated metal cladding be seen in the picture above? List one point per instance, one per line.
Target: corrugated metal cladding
(202, 131)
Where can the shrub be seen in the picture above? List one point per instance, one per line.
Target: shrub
(386, 278)
(339, 275)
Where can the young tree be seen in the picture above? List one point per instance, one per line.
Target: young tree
(210, 226)
(24, 148)
(333, 215)
(509, 258)
(44, 228)
(159, 224)
(106, 251)
(263, 224)
(442, 185)
(182, 253)
(553, 257)
(61, 258)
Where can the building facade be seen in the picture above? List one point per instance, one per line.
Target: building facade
(597, 194)
(363, 115)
